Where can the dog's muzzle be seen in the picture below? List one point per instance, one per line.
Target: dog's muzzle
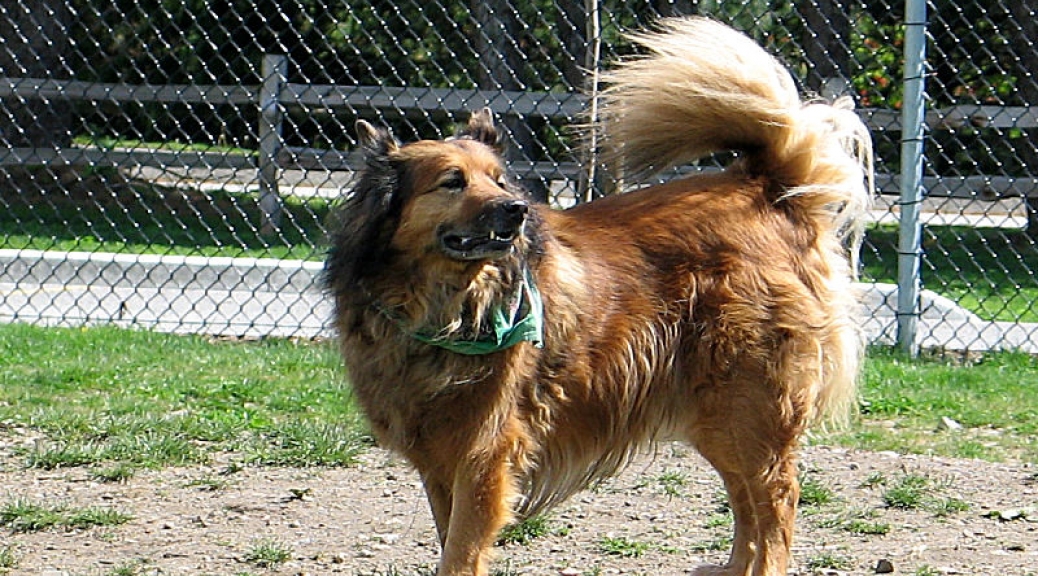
(491, 235)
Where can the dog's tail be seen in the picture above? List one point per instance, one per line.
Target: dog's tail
(702, 88)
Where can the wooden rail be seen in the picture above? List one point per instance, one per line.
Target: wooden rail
(275, 95)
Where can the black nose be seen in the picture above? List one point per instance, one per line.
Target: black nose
(515, 208)
(507, 216)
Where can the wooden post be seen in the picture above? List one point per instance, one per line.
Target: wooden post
(275, 72)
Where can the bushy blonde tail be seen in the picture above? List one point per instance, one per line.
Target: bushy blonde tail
(703, 87)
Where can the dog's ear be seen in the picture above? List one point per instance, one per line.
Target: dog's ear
(481, 129)
(375, 143)
(362, 227)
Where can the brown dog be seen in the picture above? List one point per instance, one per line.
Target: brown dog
(513, 353)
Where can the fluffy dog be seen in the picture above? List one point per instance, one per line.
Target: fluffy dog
(513, 353)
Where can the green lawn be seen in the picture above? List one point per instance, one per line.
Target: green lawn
(990, 271)
(114, 399)
(109, 396)
(994, 398)
(100, 212)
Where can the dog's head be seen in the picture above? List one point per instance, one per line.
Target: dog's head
(444, 203)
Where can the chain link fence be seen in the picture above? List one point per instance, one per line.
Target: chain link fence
(171, 165)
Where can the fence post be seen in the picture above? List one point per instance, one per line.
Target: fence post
(275, 71)
(913, 116)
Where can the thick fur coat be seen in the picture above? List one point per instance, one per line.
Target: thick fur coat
(715, 309)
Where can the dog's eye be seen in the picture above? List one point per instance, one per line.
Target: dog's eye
(454, 181)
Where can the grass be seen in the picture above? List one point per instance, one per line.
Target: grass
(100, 212)
(107, 397)
(8, 558)
(670, 482)
(919, 492)
(989, 271)
(993, 396)
(27, 516)
(815, 493)
(268, 553)
(623, 547)
(829, 561)
(522, 533)
(118, 400)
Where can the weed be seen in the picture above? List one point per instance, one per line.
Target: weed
(915, 491)
(943, 507)
(873, 480)
(47, 457)
(132, 569)
(909, 493)
(25, 516)
(829, 561)
(720, 520)
(268, 553)
(717, 544)
(623, 547)
(814, 493)
(522, 533)
(209, 483)
(87, 517)
(927, 570)
(866, 528)
(672, 483)
(8, 559)
(303, 444)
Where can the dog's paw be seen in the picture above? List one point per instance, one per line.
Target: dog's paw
(715, 570)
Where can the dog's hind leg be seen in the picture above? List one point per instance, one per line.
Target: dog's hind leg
(751, 445)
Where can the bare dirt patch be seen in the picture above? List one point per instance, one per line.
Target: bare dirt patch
(663, 515)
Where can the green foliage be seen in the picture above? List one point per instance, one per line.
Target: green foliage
(915, 491)
(829, 561)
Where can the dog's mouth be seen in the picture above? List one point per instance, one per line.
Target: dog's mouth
(482, 246)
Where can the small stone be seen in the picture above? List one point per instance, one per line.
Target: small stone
(949, 424)
(884, 566)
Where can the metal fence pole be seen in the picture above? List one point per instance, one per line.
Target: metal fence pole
(275, 71)
(913, 116)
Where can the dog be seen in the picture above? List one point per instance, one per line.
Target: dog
(513, 353)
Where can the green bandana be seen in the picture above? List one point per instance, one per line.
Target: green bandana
(520, 318)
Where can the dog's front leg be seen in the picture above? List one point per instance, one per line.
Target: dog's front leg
(440, 501)
(481, 505)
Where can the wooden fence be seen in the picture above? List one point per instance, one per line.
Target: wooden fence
(275, 95)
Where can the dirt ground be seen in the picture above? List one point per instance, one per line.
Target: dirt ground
(663, 515)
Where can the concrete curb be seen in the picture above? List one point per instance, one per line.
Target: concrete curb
(157, 271)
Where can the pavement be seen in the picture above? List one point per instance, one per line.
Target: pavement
(260, 298)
